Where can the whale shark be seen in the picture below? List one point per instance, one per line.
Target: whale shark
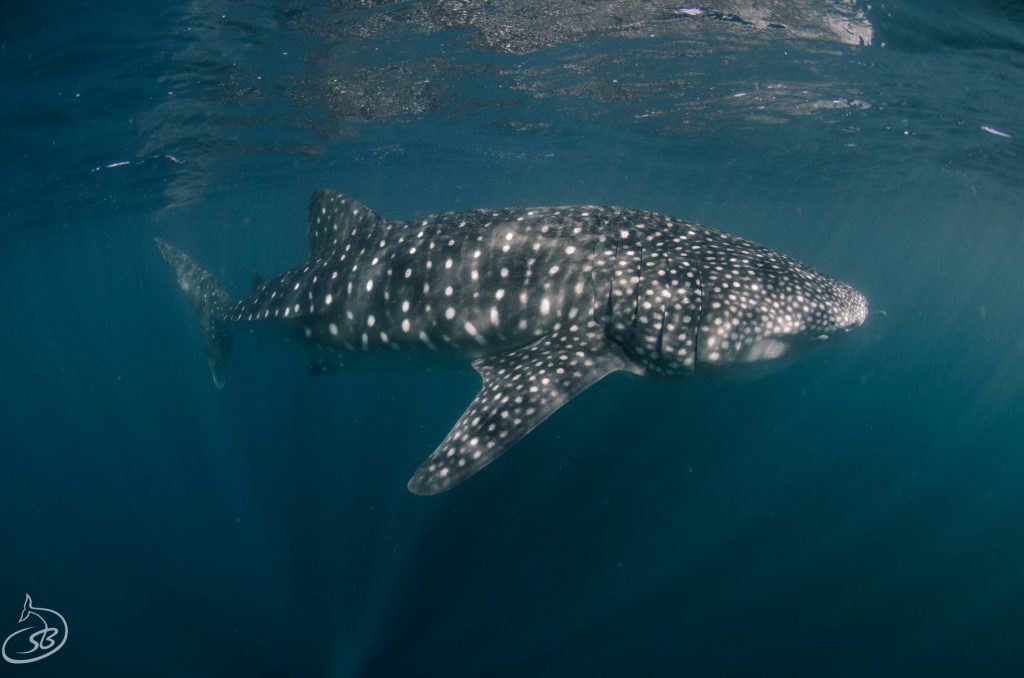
(542, 302)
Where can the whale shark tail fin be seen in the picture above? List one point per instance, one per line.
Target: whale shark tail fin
(210, 302)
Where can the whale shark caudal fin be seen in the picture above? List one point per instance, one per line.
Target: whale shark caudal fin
(209, 301)
(521, 388)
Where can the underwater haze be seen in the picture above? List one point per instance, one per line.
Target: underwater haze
(858, 513)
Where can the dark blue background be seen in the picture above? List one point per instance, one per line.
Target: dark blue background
(856, 514)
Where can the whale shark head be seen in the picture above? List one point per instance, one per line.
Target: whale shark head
(762, 309)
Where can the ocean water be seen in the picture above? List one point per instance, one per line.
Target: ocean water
(856, 514)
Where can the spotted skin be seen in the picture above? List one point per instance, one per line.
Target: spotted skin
(209, 301)
(521, 388)
(544, 302)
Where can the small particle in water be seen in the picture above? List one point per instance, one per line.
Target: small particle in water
(997, 132)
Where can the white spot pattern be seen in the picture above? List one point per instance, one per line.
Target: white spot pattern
(658, 295)
(520, 389)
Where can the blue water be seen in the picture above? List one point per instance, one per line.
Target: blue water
(857, 514)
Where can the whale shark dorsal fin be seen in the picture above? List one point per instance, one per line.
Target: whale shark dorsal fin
(521, 388)
(335, 219)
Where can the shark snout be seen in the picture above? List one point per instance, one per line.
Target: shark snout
(847, 309)
(858, 310)
(862, 309)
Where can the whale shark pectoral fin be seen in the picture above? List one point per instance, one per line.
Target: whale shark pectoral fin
(521, 388)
